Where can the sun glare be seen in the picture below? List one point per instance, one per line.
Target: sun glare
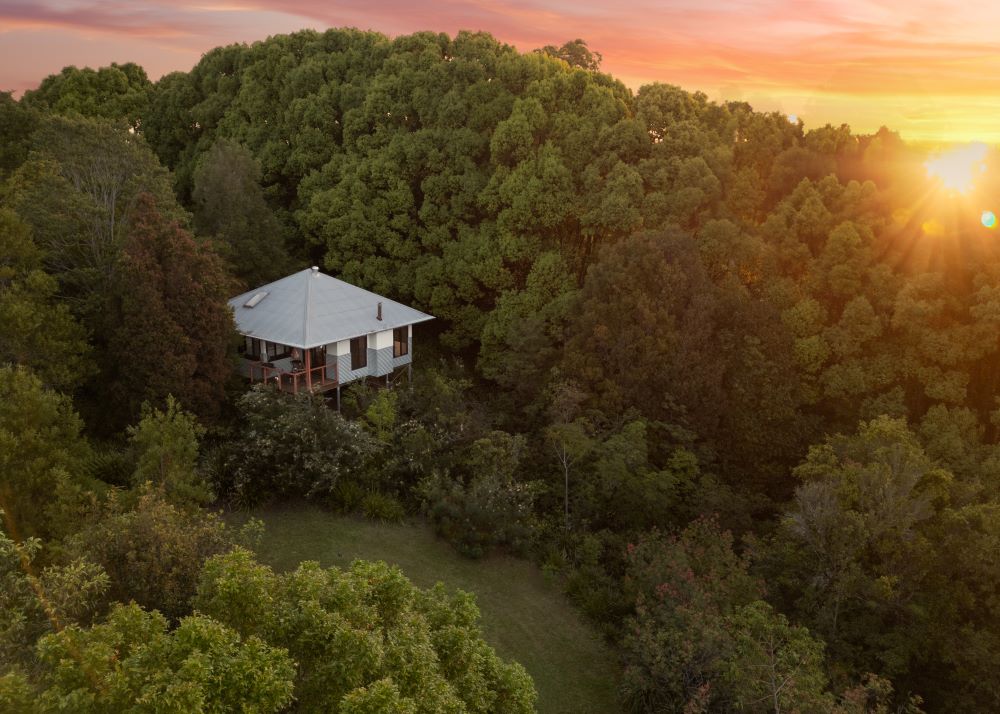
(958, 169)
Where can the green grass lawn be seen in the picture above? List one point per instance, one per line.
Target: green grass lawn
(524, 617)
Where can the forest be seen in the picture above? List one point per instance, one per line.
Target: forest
(732, 381)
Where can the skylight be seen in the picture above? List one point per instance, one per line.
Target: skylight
(257, 297)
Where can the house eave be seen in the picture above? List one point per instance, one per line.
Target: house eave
(311, 344)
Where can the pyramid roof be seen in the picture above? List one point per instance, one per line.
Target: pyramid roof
(309, 308)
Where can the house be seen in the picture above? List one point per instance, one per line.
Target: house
(312, 332)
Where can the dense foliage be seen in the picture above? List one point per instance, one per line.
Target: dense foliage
(731, 380)
(365, 639)
(294, 447)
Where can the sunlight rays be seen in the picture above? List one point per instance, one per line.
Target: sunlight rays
(959, 168)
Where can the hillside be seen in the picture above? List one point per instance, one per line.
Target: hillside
(524, 616)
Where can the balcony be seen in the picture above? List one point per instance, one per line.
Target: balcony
(295, 379)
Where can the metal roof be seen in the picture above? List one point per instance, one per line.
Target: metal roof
(308, 309)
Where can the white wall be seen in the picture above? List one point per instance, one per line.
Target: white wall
(381, 340)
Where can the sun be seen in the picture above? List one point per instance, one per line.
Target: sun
(958, 169)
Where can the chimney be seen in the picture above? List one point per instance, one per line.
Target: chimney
(378, 315)
(315, 269)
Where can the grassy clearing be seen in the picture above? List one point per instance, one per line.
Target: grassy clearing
(524, 617)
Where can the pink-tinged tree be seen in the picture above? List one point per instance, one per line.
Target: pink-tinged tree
(171, 331)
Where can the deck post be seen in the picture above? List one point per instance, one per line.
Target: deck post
(309, 383)
(338, 396)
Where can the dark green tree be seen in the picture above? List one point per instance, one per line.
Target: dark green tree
(78, 192)
(229, 207)
(17, 122)
(654, 333)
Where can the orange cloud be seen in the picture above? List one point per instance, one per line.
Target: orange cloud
(926, 67)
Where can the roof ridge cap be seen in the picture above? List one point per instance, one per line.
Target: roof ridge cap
(305, 326)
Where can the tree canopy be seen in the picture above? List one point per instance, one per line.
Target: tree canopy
(729, 378)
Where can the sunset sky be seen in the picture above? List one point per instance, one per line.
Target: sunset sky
(927, 68)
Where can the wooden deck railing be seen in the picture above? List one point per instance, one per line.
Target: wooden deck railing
(317, 379)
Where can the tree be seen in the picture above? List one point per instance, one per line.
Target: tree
(165, 448)
(366, 635)
(36, 329)
(42, 456)
(652, 332)
(684, 587)
(703, 640)
(855, 521)
(133, 659)
(575, 53)
(883, 554)
(78, 191)
(117, 92)
(17, 122)
(230, 208)
(35, 601)
(171, 330)
(569, 442)
(151, 549)
(523, 334)
(774, 666)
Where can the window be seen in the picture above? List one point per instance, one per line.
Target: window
(251, 348)
(359, 352)
(400, 341)
(277, 351)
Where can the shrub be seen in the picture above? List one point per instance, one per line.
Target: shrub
(477, 516)
(349, 495)
(152, 551)
(293, 446)
(380, 507)
(113, 466)
(486, 508)
(35, 603)
(164, 445)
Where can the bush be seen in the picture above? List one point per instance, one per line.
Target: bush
(293, 446)
(152, 551)
(36, 601)
(487, 508)
(113, 466)
(164, 445)
(379, 507)
(349, 495)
